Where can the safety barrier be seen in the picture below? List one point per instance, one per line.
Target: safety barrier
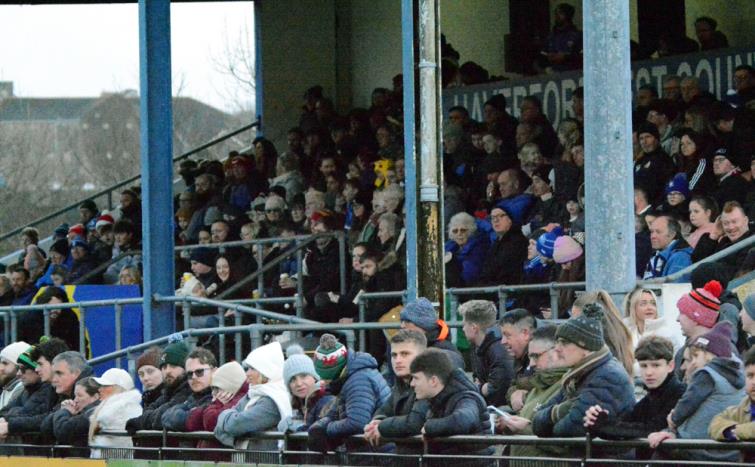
(290, 448)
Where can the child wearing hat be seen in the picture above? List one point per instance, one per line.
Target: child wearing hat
(595, 378)
(737, 423)
(309, 395)
(353, 378)
(698, 313)
(717, 382)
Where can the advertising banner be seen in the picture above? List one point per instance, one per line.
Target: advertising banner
(715, 70)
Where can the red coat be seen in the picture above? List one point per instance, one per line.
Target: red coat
(205, 418)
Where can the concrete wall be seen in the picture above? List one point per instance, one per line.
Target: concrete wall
(735, 19)
(298, 51)
(375, 46)
(476, 28)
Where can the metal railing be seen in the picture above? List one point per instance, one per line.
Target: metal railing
(108, 192)
(582, 451)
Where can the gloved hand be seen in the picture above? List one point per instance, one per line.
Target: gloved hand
(318, 436)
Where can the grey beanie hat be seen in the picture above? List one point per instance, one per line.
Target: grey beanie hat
(586, 330)
(297, 364)
(749, 306)
(420, 312)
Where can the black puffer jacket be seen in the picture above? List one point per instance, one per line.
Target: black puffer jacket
(403, 415)
(458, 409)
(505, 260)
(26, 413)
(72, 429)
(492, 364)
(151, 419)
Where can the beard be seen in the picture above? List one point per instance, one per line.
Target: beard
(5, 379)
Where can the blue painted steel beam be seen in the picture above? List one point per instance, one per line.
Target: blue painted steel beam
(410, 162)
(156, 164)
(259, 95)
(610, 251)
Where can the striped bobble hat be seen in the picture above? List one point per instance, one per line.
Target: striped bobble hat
(25, 359)
(702, 305)
(330, 357)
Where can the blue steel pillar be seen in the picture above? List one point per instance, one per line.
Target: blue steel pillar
(610, 249)
(410, 162)
(157, 164)
(259, 102)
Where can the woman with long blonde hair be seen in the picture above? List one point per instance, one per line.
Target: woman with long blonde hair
(615, 332)
(642, 317)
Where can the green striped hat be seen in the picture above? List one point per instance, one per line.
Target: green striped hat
(25, 358)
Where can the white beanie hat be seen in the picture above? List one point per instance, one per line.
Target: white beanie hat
(12, 351)
(229, 377)
(268, 360)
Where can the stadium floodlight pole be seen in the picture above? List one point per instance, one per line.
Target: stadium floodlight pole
(156, 120)
(430, 232)
(609, 216)
(410, 140)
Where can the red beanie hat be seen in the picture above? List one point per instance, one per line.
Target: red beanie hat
(77, 229)
(701, 305)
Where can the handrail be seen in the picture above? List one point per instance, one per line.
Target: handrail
(740, 245)
(122, 183)
(492, 439)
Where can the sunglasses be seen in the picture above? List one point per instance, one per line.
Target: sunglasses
(246, 367)
(199, 372)
(273, 211)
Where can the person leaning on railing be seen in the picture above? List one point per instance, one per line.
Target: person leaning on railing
(596, 377)
(71, 422)
(737, 423)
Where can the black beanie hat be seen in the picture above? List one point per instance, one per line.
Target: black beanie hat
(60, 247)
(647, 127)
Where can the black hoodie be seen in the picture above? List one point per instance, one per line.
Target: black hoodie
(151, 419)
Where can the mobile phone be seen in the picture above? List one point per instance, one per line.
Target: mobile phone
(499, 412)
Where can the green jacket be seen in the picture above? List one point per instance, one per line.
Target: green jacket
(545, 385)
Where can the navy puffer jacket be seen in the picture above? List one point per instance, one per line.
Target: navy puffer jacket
(605, 382)
(360, 392)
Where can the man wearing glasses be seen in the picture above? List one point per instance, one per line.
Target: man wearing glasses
(545, 384)
(200, 365)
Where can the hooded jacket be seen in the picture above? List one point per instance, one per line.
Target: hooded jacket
(112, 415)
(359, 391)
(438, 338)
(492, 364)
(675, 257)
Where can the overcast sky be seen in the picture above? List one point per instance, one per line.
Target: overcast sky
(83, 50)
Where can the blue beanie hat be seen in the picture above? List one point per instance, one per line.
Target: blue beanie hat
(420, 312)
(678, 183)
(749, 305)
(298, 364)
(61, 231)
(546, 243)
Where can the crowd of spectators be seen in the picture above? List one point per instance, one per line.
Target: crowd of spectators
(513, 208)
(536, 378)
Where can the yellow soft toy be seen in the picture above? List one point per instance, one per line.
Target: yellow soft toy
(381, 172)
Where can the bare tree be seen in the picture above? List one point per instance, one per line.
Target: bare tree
(236, 61)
